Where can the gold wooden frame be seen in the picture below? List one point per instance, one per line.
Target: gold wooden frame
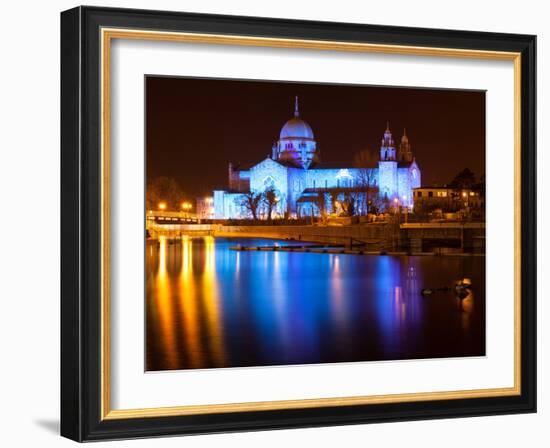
(107, 35)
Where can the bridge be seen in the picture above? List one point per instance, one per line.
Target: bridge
(175, 224)
(164, 217)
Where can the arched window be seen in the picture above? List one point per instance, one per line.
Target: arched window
(269, 182)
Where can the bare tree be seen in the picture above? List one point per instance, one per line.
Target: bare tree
(349, 203)
(270, 200)
(366, 161)
(251, 202)
(321, 203)
(163, 190)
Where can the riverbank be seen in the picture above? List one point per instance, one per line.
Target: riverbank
(374, 237)
(453, 239)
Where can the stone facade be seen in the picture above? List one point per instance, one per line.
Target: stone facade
(298, 179)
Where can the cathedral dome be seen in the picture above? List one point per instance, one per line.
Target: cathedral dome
(296, 127)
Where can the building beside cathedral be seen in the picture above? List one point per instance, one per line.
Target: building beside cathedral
(295, 173)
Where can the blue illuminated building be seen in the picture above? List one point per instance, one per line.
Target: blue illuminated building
(294, 171)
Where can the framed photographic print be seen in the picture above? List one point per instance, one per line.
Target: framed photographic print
(274, 224)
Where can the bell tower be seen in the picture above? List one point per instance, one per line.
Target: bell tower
(405, 153)
(387, 146)
(387, 166)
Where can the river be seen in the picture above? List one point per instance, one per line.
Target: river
(208, 306)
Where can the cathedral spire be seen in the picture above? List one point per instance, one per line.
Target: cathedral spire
(296, 111)
(405, 138)
(387, 149)
(405, 153)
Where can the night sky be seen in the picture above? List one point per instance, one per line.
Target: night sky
(195, 127)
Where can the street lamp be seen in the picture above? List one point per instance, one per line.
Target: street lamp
(397, 207)
(162, 206)
(186, 206)
(396, 203)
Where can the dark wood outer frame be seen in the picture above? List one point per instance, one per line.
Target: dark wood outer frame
(81, 224)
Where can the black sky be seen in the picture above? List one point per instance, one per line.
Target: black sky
(195, 127)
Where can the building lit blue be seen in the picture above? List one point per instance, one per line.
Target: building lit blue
(295, 172)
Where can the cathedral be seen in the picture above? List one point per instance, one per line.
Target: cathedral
(295, 174)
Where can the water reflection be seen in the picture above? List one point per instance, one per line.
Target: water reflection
(467, 307)
(209, 306)
(165, 309)
(212, 304)
(188, 305)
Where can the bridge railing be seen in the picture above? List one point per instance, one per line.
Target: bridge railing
(152, 214)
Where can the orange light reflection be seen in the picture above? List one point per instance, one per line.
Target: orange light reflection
(212, 304)
(188, 303)
(165, 307)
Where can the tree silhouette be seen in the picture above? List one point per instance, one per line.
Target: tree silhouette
(465, 179)
(321, 203)
(366, 161)
(251, 202)
(270, 200)
(348, 203)
(166, 190)
(480, 185)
